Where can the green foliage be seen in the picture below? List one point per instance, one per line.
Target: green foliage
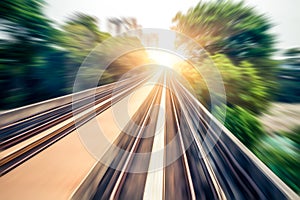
(25, 21)
(29, 35)
(294, 136)
(106, 60)
(37, 61)
(129, 59)
(243, 124)
(241, 46)
(84, 20)
(239, 32)
(227, 27)
(78, 40)
(243, 86)
(81, 35)
(281, 153)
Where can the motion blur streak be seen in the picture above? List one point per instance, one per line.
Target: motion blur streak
(208, 109)
(227, 171)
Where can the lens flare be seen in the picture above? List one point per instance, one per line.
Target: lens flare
(164, 58)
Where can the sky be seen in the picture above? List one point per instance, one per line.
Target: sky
(284, 15)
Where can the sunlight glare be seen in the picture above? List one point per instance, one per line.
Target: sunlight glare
(164, 58)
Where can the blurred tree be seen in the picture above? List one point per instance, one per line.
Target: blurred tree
(242, 84)
(239, 42)
(228, 27)
(243, 124)
(135, 54)
(280, 152)
(112, 59)
(28, 35)
(80, 35)
(37, 61)
(237, 31)
(25, 21)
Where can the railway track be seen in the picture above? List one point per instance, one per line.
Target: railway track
(172, 148)
(24, 138)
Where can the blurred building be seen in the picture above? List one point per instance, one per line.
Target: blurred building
(117, 26)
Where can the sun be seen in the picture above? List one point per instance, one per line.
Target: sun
(164, 58)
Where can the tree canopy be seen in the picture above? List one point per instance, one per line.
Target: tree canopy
(29, 34)
(238, 40)
(80, 34)
(227, 27)
(38, 60)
